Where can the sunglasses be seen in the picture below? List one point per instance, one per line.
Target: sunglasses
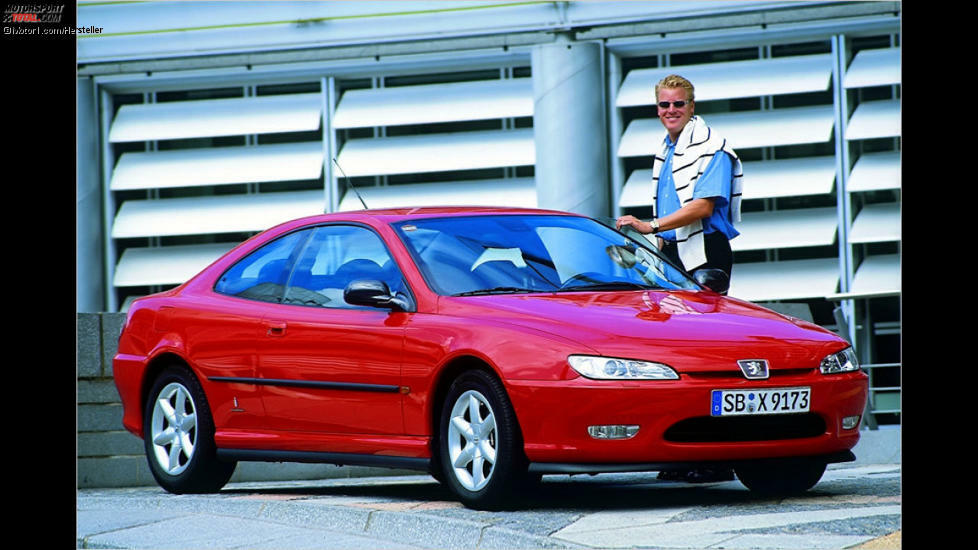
(677, 104)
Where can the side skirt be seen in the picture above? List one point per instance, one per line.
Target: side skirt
(340, 459)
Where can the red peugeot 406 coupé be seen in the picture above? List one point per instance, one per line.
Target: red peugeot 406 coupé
(486, 346)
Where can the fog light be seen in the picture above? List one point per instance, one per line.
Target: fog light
(613, 431)
(850, 422)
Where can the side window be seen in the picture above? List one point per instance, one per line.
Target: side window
(334, 256)
(262, 275)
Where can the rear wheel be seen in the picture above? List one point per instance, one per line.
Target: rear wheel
(785, 477)
(178, 435)
(480, 447)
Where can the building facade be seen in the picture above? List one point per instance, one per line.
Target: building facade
(203, 123)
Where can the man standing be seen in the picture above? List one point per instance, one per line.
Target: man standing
(697, 187)
(697, 183)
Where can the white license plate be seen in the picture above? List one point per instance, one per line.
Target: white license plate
(766, 401)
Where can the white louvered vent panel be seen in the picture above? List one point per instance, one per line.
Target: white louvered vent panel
(876, 172)
(433, 103)
(745, 130)
(875, 119)
(787, 75)
(877, 223)
(786, 229)
(438, 152)
(218, 214)
(218, 166)
(880, 67)
(217, 117)
(785, 280)
(878, 275)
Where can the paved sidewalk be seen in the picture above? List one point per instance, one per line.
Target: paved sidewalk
(850, 506)
(855, 505)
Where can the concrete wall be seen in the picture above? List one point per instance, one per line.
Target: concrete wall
(109, 456)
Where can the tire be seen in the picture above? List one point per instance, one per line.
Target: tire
(781, 478)
(480, 445)
(178, 436)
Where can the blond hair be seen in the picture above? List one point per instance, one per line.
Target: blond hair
(675, 81)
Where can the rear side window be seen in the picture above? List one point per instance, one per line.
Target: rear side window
(263, 274)
(312, 267)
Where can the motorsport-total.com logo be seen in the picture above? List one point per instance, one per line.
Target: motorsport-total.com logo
(29, 18)
(33, 13)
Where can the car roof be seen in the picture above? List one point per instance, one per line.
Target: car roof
(393, 215)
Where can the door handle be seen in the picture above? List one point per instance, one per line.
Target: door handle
(275, 328)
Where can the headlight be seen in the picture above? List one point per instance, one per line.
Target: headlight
(608, 368)
(843, 361)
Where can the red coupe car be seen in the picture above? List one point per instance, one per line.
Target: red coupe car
(487, 346)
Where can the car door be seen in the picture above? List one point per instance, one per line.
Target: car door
(221, 331)
(328, 366)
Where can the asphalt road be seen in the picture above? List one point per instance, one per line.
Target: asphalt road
(853, 506)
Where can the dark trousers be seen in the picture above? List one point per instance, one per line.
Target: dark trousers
(718, 252)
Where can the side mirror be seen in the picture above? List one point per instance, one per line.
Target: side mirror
(716, 280)
(374, 293)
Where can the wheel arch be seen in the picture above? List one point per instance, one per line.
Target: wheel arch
(154, 367)
(449, 372)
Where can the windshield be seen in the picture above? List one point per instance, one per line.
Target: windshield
(465, 256)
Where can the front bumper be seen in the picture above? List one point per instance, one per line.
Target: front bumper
(584, 468)
(554, 417)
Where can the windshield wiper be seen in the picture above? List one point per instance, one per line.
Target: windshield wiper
(498, 290)
(609, 285)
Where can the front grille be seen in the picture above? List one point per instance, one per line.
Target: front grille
(737, 375)
(706, 429)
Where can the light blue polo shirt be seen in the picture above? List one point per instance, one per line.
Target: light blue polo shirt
(715, 182)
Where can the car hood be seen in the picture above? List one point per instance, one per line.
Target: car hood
(688, 330)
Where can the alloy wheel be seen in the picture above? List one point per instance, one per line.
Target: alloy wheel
(174, 428)
(472, 441)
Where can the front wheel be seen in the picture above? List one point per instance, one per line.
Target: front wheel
(178, 434)
(480, 447)
(785, 477)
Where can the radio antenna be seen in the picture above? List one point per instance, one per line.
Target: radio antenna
(349, 183)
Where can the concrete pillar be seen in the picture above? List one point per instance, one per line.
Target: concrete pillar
(89, 287)
(569, 127)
